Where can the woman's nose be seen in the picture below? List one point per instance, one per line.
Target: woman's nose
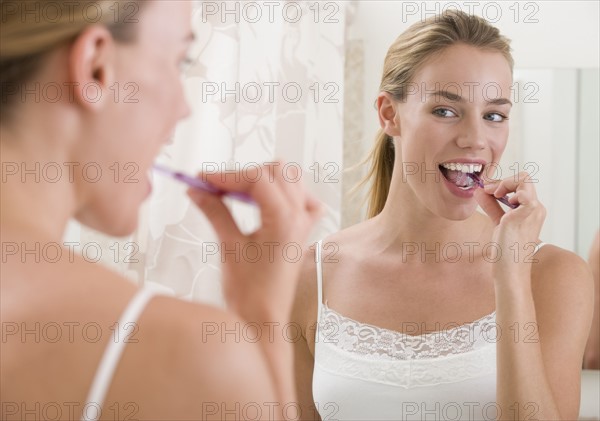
(471, 134)
(186, 110)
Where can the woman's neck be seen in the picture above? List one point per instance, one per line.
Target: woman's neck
(404, 220)
(36, 200)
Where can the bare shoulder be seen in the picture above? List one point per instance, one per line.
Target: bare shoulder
(561, 267)
(190, 360)
(304, 311)
(180, 359)
(332, 251)
(562, 286)
(200, 357)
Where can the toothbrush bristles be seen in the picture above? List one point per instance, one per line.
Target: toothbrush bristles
(503, 199)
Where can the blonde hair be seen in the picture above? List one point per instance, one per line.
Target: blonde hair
(404, 58)
(32, 28)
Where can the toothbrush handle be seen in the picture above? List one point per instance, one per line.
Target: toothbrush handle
(503, 199)
(506, 202)
(203, 185)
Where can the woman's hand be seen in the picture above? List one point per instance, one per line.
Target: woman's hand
(517, 230)
(260, 270)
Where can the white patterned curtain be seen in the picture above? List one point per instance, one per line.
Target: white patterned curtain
(260, 90)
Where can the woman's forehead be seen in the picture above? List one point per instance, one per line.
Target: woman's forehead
(169, 20)
(464, 71)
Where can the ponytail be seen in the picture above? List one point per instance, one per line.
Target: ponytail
(381, 158)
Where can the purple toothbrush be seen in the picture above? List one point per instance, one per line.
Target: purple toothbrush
(202, 185)
(503, 199)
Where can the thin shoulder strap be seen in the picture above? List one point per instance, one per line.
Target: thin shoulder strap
(112, 353)
(319, 278)
(538, 247)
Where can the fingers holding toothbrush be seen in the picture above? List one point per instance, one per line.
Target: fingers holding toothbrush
(518, 227)
(288, 213)
(524, 198)
(489, 205)
(277, 196)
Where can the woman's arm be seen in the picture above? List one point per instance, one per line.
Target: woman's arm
(304, 366)
(543, 310)
(261, 291)
(194, 362)
(304, 317)
(544, 322)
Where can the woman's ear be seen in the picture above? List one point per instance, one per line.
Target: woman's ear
(92, 67)
(386, 109)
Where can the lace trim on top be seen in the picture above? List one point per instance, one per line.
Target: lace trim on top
(383, 344)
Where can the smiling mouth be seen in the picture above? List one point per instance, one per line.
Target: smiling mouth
(460, 174)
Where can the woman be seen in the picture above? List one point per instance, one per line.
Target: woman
(79, 341)
(429, 309)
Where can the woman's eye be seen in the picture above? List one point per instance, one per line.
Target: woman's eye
(186, 63)
(444, 112)
(496, 117)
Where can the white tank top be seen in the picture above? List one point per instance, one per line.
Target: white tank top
(363, 372)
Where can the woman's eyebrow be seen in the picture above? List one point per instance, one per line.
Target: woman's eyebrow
(448, 95)
(191, 37)
(457, 98)
(500, 101)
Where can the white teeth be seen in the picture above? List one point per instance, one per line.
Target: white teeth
(463, 167)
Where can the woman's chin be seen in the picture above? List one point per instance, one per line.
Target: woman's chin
(459, 212)
(122, 225)
(124, 231)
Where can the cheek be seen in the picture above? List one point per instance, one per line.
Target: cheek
(164, 89)
(155, 83)
(164, 101)
(423, 142)
(498, 140)
(149, 115)
(167, 79)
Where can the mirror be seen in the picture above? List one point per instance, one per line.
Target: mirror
(588, 175)
(554, 124)
(554, 136)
